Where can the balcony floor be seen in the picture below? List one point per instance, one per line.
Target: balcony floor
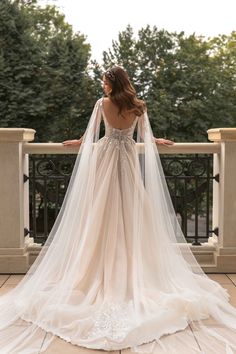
(59, 346)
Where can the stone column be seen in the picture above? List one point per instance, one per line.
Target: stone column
(224, 197)
(13, 249)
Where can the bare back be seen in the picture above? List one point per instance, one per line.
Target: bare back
(114, 119)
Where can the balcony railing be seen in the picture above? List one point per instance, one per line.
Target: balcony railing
(199, 175)
(189, 178)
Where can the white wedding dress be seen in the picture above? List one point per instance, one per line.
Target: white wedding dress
(116, 271)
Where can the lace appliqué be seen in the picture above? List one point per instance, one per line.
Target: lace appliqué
(112, 321)
(118, 138)
(119, 141)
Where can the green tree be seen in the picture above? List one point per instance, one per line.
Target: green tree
(44, 78)
(19, 62)
(188, 82)
(123, 52)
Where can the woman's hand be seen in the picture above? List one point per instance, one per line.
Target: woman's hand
(166, 142)
(74, 142)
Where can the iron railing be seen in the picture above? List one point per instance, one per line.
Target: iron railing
(189, 179)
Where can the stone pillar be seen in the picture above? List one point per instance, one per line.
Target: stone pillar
(224, 197)
(13, 249)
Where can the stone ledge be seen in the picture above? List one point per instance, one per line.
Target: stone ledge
(227, 251)
(177, 148)
(209, 259)
(222, 134)
(14, 264)
(10, 251)
(16, 134)
(225, 263)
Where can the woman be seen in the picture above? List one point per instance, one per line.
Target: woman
(116, 271)
(121, 96)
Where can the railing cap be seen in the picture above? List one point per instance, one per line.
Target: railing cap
(16, 134)
(177, 148)
(222, 134)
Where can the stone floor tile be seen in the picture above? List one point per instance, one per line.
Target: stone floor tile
(14, 279)
(3, 278)
(232, 277)
(220, 278)
(231, 289)
(5, 288)
(59, 346)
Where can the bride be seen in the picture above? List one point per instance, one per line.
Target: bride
(116, 271)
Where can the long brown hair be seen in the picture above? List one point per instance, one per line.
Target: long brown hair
(123, 94)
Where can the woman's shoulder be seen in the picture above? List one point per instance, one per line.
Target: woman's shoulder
(106, 100)
(102, 100)
(98, 103)
(99, 100)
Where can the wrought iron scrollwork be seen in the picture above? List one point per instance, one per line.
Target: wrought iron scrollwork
(189, 179)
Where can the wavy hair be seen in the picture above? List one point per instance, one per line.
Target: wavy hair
(123, 94)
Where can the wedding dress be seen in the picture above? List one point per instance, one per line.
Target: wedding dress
(116, 271)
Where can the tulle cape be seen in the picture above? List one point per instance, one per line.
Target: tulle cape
(168, 300)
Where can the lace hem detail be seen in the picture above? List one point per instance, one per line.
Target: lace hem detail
(112, 320)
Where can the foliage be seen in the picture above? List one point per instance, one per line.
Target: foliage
(44, 81)
(188, 82)
(49, 83)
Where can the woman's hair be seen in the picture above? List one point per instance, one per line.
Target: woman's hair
(123, 94)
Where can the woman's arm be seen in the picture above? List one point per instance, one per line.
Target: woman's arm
(161, 141)
(74, 142)
(158, 141)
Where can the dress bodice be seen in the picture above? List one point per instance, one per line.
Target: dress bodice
(121, 134)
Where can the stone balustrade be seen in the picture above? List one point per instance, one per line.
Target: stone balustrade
(17, 251)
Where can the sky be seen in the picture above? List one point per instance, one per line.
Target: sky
(102, 20)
